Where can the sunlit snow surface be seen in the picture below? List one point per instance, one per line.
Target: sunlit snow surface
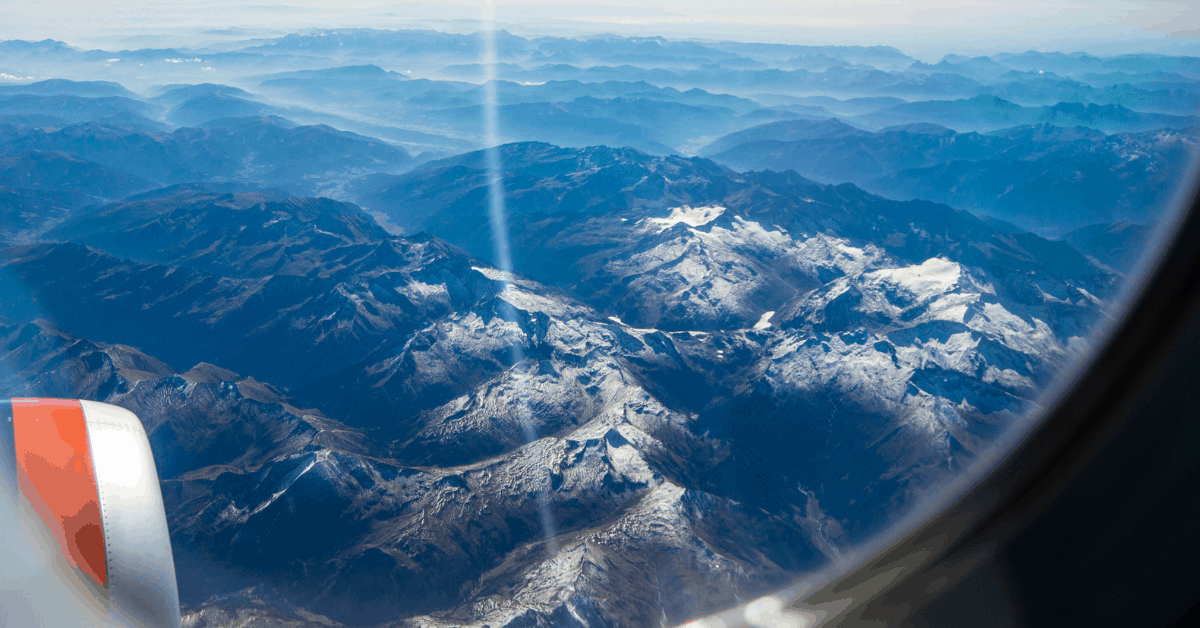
(934, 275)
(693, 216)
(878, 331)
(764, 321)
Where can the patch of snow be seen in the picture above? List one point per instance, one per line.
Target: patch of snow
(764, 321)
(931, 277)
(691, 216)
(493, 274)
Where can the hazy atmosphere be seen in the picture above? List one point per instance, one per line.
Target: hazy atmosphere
(927, 29)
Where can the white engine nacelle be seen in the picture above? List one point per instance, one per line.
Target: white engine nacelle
(83, 532)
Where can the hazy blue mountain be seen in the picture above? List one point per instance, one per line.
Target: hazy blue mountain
(70, 108)
(816, 62)
(32, 119)
(273, 150)
(174, 95)
(1157, 78)
(356, 91)
(653, 123)
(270, 235)
(1043, 90)
(50, 87)
(371, 101)
(565, 123)
(988, 113)
(673, 123)
(759, 116)
(845, 81)
(642, 51)
(200, 109)
(917, 85)
(882, 57)
(424, 146)
(379, 43)
(268, 150)
(1083, 63)
(1125, 176)
(345, 74)
(1119, 245)
(1172, 98)
(833, 151)
(1183, 100)
(475, 72)
(846, 108)
(370, 98)
(16, 49)
(129, 121)
(63, 173)
(561, 91)
(1057, 62)
(785, 131)
(625, 72)
(1046, 178)
(26, 213)
(981, 69)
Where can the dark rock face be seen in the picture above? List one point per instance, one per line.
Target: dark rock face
(1118, 245)
(702, 386)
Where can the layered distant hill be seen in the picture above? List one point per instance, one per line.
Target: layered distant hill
(1119, 245)
(988, 113)
(1042, 177)
(111, 159)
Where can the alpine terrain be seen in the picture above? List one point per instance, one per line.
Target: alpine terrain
(688, 323)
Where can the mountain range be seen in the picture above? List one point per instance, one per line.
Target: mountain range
(114, 159)
(547, 437)
(1041, 177)
(711, 316)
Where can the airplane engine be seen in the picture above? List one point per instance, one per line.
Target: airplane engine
(83, 532)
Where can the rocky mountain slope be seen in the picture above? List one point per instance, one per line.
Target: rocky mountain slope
(722, 383)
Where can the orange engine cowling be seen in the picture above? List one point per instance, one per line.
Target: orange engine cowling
(83, 533)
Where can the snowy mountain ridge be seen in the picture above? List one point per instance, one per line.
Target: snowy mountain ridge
(798, 365)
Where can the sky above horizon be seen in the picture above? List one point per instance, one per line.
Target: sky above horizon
(928, 28)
